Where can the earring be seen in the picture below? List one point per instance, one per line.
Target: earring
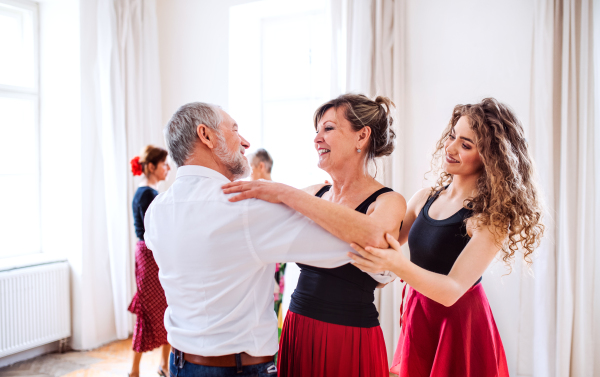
(357, 150)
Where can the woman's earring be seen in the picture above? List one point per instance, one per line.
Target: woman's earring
(357, 150)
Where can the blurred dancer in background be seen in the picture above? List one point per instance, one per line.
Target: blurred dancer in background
(149, 303)
(262, 163)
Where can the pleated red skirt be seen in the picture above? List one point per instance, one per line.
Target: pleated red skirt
(148, 304)
(460, 340)
(309, 347)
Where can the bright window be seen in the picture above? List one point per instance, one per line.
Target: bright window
(19, 129)
(279, 75)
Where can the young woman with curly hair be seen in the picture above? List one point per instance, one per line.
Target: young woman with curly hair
(485, 201)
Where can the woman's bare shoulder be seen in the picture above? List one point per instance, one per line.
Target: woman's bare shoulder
(418, 200)
(392, 197)
(313, 189)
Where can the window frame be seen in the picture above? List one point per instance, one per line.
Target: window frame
(32, 94)
(247, 24)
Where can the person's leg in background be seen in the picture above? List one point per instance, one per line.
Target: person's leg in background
(164, 359)
(135, 367)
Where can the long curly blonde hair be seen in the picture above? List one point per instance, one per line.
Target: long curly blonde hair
(507, 198)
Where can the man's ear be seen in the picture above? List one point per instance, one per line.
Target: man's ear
(207, 135)
(261, 166)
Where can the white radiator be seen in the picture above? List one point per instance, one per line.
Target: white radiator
(35, 307)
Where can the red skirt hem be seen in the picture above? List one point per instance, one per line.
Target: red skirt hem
(460, 340)
(149, 303)
(309, 347)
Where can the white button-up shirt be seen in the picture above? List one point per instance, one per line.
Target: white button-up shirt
(216, 262)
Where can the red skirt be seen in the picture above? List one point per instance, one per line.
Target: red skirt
(148, 304)
(309, 347)
(460, 340)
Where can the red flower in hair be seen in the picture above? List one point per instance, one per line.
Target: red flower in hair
(136, 167)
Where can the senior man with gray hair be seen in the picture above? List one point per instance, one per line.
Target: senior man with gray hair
(217, 258)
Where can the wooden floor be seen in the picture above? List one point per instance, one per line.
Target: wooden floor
(113, 359)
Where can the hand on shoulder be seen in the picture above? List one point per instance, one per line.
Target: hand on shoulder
(265, 190)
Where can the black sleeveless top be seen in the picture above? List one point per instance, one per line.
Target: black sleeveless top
(342, 295)
(436, 244)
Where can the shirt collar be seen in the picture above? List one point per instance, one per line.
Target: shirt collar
(201, 171)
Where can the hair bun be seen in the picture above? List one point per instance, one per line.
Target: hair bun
(385, 103)
(384, 145)
(149, 155)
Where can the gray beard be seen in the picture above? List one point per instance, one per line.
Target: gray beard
(235, 163)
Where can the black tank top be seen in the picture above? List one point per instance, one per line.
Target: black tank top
(436, 244)
(342, 295)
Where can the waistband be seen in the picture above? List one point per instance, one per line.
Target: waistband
(234, 360)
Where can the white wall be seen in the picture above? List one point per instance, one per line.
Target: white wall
(460, 52)
(60, 127)
(193, 47)
(72, 214)
(61, 150)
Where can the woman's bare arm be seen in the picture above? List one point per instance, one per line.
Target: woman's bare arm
(341, 221)
(445, 289)
(313, 189)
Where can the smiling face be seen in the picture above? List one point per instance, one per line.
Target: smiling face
(231, 147)
(336, 142)
(462, 156)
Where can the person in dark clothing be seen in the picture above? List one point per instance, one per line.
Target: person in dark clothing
(261, 163)
(149, 303)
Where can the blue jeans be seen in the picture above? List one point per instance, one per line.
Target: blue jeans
(193, 370)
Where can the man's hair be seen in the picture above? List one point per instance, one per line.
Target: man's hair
(263, 156)
(180, 132)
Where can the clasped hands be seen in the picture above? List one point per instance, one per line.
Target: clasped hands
(374, 260)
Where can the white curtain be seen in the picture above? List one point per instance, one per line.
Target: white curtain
(128, 117)
(563, 135)
(368, 44)
(388, 80)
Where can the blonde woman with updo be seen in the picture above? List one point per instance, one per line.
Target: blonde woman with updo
(332, 326)
(149, 303)
(485, 203)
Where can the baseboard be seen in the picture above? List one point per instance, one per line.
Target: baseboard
(29, 354)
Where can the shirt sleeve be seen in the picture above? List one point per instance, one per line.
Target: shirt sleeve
(277, 233)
